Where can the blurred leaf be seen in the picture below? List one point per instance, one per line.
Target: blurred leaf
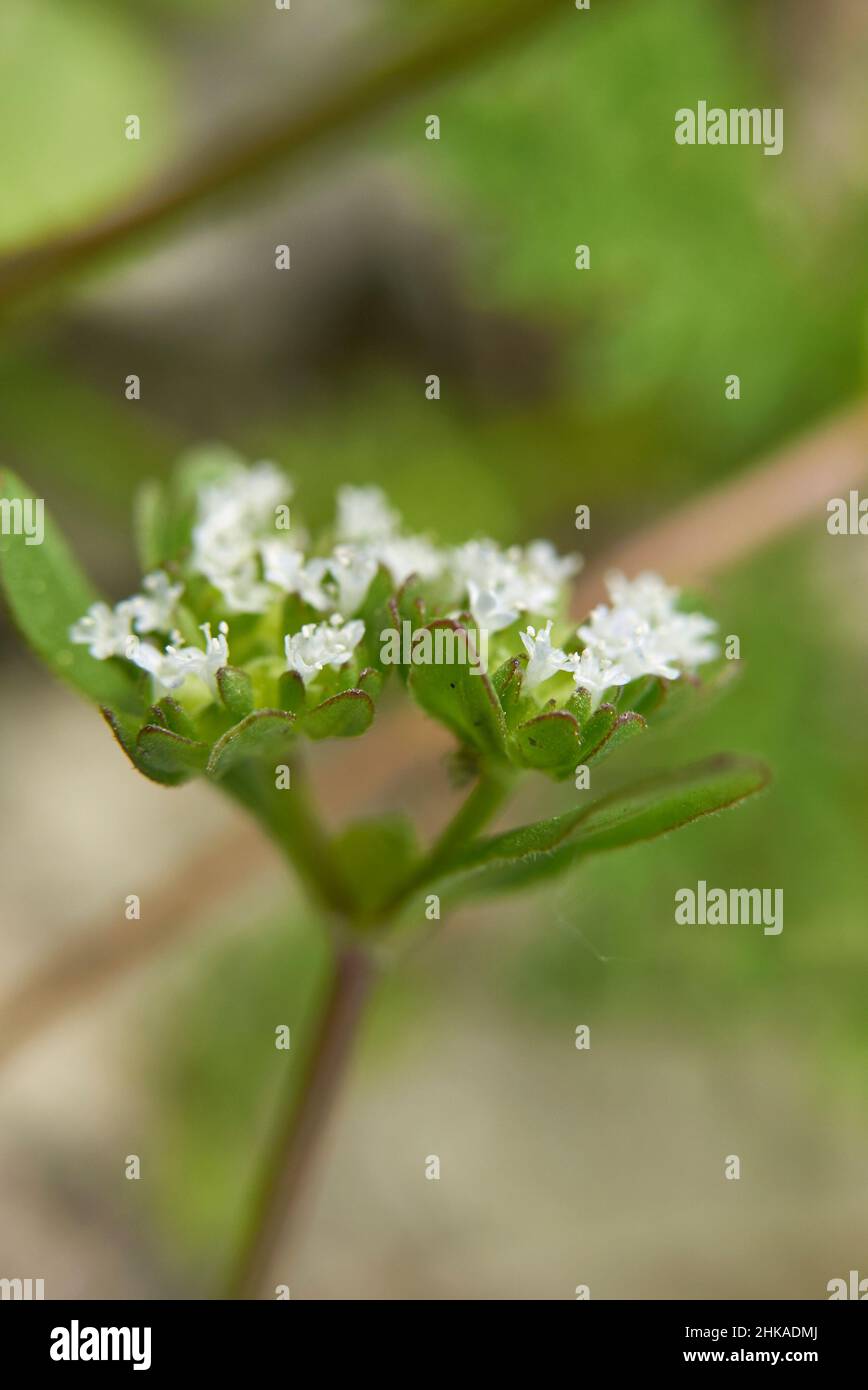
(47, 593)
(653, 808)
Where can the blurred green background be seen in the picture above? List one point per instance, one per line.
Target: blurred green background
(558, 387)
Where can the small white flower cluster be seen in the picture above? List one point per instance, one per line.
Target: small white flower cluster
(236, 549)
(502, 584)
(322, 644)
(107, 631)
(171, 668)
(235, 520)
(641, 633)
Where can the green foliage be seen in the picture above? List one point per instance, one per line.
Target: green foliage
(47, 592)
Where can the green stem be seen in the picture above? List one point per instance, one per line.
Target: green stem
(290, 819)
(303, 1114)
(472, 816)
(238, 163)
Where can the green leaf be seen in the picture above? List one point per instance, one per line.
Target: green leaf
(376, 857)
(549, 743)
(47, 592)
(343, 716)
(652, 808)
(464, 702)
(169, 757)
(267, 733)
(236, 691)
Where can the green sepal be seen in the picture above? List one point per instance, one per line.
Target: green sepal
(507, 682)
(169, 757)
(175, 717)
(371, 682)
(342, 716)
(264, 734)
(579, 706)
(290, 693)
(464, 702)
(236, 691)
(549, 743)
(624, 727)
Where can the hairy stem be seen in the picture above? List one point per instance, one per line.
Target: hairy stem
(304, 1111)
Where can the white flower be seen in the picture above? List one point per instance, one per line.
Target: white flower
(544, 660)
(104, 630)
(235, 517)
(322, 644)
(170, 669)
(510, 582)
(154, 610)
(364, 514)
(344, 576)
(489, 608)
(282, 565)
(594, 673)
(686, 636)
(406, 555)
(644, 631)
(622, 635)
(647, 594)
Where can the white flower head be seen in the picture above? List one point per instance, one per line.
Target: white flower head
(235, 518)
(622, 635)
(170, 669)
(322, 644)
(647, 594)
(406, 555)
(103, 630)
(595, 673)
(502, 584)
(544, 660)
(364, 514)
(154, 610)
(490, 608)
(644, 631)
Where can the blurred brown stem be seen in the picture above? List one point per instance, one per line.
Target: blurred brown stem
(236, 165)
(303, 1115)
